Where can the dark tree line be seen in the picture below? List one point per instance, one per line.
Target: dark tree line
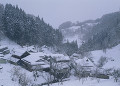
(69, 48)
(105, 34)
(26, 29)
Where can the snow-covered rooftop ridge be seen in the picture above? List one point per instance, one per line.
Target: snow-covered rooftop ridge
(76, 56)
(45, 66)
(34, 57)
(62, 65)
(92, 24)
(74, 28)
(84, 62)
(18, 52)
(59, 57)
(13, 59)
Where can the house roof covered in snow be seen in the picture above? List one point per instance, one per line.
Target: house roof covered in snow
(34, 58)
(62, 65)
(18, 52)
(76, 55)
(38, 59)
(13, 59)
(60, 57)
(85, 62)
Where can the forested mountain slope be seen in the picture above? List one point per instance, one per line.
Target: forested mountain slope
(26, 29)
(105, 34)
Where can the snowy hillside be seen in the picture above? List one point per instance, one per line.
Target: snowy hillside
(10, 72)
(113, 56)
(5, 76)
(76, 31)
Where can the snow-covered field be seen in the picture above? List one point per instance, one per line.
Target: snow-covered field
(5, 76)
(6, 80)
(87, 82)
(5, 72)
(112, 54)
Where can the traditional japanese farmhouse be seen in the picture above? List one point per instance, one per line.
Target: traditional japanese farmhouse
(60, 64)
(86, 64)
(16, 56)
(35, 61)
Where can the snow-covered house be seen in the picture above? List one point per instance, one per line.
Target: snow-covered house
(60, 57)
(13, 60)
(60, 64)
(20, 54)
(90, 69)
(86, 64)
(4, 50)
(35, 62)
(76, 56)
(16, 56)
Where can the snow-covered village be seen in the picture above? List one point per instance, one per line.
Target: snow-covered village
(80, 48)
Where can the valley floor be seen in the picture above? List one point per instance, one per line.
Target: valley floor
(6, 80)
(87, 82)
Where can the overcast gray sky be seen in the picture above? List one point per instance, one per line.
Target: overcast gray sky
(56, 12)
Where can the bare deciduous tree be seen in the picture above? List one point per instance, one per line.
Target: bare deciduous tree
(102, 61)
(116, 75)
(21, 78)
(47, 77)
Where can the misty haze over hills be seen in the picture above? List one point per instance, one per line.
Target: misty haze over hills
(55, 12)
(96, 34)
(27, 29)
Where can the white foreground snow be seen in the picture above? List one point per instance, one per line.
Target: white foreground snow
(87, 82)
(5, 76)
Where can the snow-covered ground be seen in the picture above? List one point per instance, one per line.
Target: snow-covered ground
(87, 82)
(5, 76)
(6, 80)
(5, 72)
(112, 54)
